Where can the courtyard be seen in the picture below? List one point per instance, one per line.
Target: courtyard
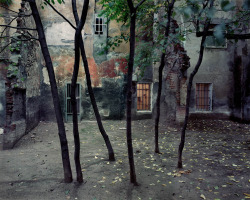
(216, 163)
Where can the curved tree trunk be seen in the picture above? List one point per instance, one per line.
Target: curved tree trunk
(190, 82)
(73, 88)
(91, 92)
(57, 107)
(161, 67)
(158, 101)
(94, 105)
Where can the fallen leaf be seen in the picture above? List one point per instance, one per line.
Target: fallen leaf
(248, 195)
(202, 196)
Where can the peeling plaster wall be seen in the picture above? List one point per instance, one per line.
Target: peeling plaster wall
(21, 86)
(107, 71)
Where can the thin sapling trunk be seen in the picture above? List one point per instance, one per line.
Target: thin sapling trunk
(161, 67)
(91, 92)
(73, 88)
(189, 87)
(54, 91)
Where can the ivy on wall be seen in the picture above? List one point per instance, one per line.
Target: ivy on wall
(6, 2)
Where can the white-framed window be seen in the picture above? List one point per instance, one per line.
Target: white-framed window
(99, 25)
(143, 96)
(213, 42)
(203, 95)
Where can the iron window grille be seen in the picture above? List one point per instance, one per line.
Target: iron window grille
(69, 111)
(203, 96)
(143, 96)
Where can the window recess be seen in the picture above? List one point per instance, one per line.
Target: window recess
(143, 97)
(99, 25)
(203, 96)
(69, 112)
(213, 42)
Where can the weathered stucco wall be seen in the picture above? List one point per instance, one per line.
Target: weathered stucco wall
(215, 69)
(107, 70)
(21, 80)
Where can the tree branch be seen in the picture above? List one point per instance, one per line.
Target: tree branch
(19, 28)
(5, 47)
(227, 35)
(28, 38)
(8, 9)
(8, 25)
(60, 14)
(139, 4)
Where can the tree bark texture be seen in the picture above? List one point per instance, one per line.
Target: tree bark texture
(161, 67)
(189, 87)
(129, 92)
(54, 91)
(91, 92)
(73, 88)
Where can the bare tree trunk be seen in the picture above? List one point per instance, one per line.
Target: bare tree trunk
(158, 101)
(129, 99)
(189, 87)
(129, 88)
(73, 88)
(57, 107)
(91, 92)
(161, 67)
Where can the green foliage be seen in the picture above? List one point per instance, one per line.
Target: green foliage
(6, 2)
(219, 32)
(113, 42)
(12, 71)
(226, 5)
(143, 57)
(115, 10)
(51, 1)
(194, 14)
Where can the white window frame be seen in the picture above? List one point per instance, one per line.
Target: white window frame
(99, 27)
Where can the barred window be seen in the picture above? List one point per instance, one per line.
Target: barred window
(143, 97)
(69, 111)
(99, 22)
(203, 96)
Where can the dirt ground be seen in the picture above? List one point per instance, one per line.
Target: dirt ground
(216, 163)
